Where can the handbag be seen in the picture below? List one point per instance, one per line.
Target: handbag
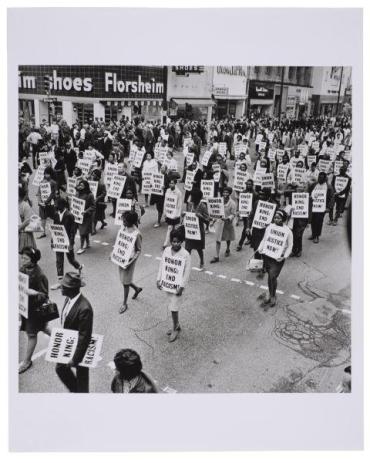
(47, 311)
(35, 224)
(254, 265)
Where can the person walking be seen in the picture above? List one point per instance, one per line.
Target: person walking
(46, 200)
(319, 189)
(175, 220)
(77, 315)
(85, 228)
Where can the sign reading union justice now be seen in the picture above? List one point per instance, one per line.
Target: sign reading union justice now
(93, 81)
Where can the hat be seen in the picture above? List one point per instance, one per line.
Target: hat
(348, 369)
(72, 280)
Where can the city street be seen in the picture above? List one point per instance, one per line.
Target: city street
(228, 343)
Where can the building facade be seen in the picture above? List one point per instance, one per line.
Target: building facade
(230, 90)
(88, 93)
(332, 89)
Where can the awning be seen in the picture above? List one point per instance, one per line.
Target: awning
(194, 101)
(230, 97)
(255, 102)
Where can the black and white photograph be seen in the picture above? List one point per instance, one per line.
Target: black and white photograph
(184, 229)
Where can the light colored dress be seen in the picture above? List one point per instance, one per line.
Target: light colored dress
(25, 238)
(224, 231)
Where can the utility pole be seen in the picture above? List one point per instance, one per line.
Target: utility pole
(340, 88)
(247, 92)
(281, 90)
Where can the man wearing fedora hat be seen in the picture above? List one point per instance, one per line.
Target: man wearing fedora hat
(77, 315)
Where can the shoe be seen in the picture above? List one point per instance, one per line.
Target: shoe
(273, 301)
(298, 254)
(260, 275)
(24, 367)
(335, 223)
(104, 224)
(173, 336)
(136, 293)
(316, 240)
(93, 233)
(201, 266)
(178, 328)
(227, 253)
(123, 308)
(41, 236)
(81, 268)
(330, 222)
(206, 232)
(311, 238)
(56, 286)
(157, 225)
(214, 260)
(80, 251)
(239, 248)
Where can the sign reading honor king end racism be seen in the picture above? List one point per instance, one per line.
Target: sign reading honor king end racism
(172, 273)
(59, 238)
(192, 229)
(264, 214)
(116, 186)
(245, 204)
(300, 205)
(216, 208)
(123, 247)
(63, 344)
(77, 209)
(275, 242)
(23, 285)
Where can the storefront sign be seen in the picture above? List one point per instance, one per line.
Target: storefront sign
(260, 91)
(183, 70)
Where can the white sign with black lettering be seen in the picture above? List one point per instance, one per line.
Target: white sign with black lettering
(63, 344)
(216, 172)
(23, 286)
(300, 205)
(208, 188)
(299, 175)
(109, 172)
(310, 159)
(123, 205)
(39, 176)
(264, 214)
(216, 208)
(279, 155)
(124, 247)
(116, 186)
(282, 172)
(316, 146)
(318, 200)
(172, 273)
(139, 156)
(45, 191)
(259, 138)
(337, 166)
(262, 145)
(222, 148)
(303, 149)
(340, 183)
(271, 154)
(324, 165)
(189, 158)
(239, 148)
(146, 185)
(84, 165)
(257, 178)
(205, 158)
(157, 184)
(245, 204)
(71, 186)
(192, 229)
(170, 204)
(189, 179)
(332, 153)
(132, 155)
(240, 179)
(59, 238)
(275, 241)
(78, 209)
(93, 187)
(267, 181)
(89, 155)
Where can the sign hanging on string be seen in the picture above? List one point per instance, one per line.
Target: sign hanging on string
(172, 275)
(39, 176)
(45, 191)
(245, 204)
(216, 208)
(192, 228)
(208, 188)
(170, 204)
(240, 179)
(264, 214)
(116, 186)
(109, 172)
(59, 238)
(275, 241)
(318, 200)
(157, 184)
(78, 209)
(189, 179)
(300, 205)
(146, 185)
(71, 186)
(23, 287)
(124, 247)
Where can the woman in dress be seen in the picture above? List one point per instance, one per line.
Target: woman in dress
(85, 228)
(25, 238)
(37, 293)
(101, 205)
(199, 207)
(126, 274)
(225, 226)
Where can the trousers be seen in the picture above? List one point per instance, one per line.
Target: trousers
(78, 382)
(71, 259)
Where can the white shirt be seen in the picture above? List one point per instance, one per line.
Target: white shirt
(68, 308)
(61, 214)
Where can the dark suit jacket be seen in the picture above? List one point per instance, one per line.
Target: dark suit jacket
(70, 160)
(68, 221)
(80, 318)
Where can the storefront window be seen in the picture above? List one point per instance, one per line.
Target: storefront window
(111, 113)
(27, 109)
(85, 112)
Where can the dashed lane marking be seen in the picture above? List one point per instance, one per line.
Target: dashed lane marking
(158, 258)
(279, 292)
(147, 255)
(222, 276)
(208, 272)
(236, 280)
(263, 287)
(197, 269)
(293, 296)
(105, 243)
(96, 241)
(250, 283)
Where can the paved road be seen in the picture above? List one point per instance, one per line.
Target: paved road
(228, 343)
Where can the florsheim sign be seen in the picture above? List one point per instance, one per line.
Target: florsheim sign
(93, 81)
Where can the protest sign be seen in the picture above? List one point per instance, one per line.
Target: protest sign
(71, 186)
(84, 165)
(132, 155)
(340, 183)
(239, 148)
(172, 273)
(192, 229)
(59, 238)
(160, 153)
(170, 201)
(23, 286)
(324, 165)
(139, 156)
(39, 176)
(93, 187)
(299, 175)
(282, 172)
(45, 191)
(259, 138)
(240, 179)
(189, 158)
(222, 148)
(216, 172)
(337, 166)
(146, 183)
(310, 159)
(262, 145)
(116, 186)
(257, 177)
(275, 241)
(89, 155)
(332, 153)
(271, 154)
(300, 205)
(216, 208)
(208, 188)
(294, 161)
(245, 204)
(187, 142)
(44, 158)
(63, 344)
(123, 205)
(303, 149)
(157, 184)
(318, 200)
(264, 214)
(339, 148)
(189, 179)
(316, 146)
(123, 247)
(279, 155)
(267, 181)
(77, 209)
(109, 172)
(205, 158)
